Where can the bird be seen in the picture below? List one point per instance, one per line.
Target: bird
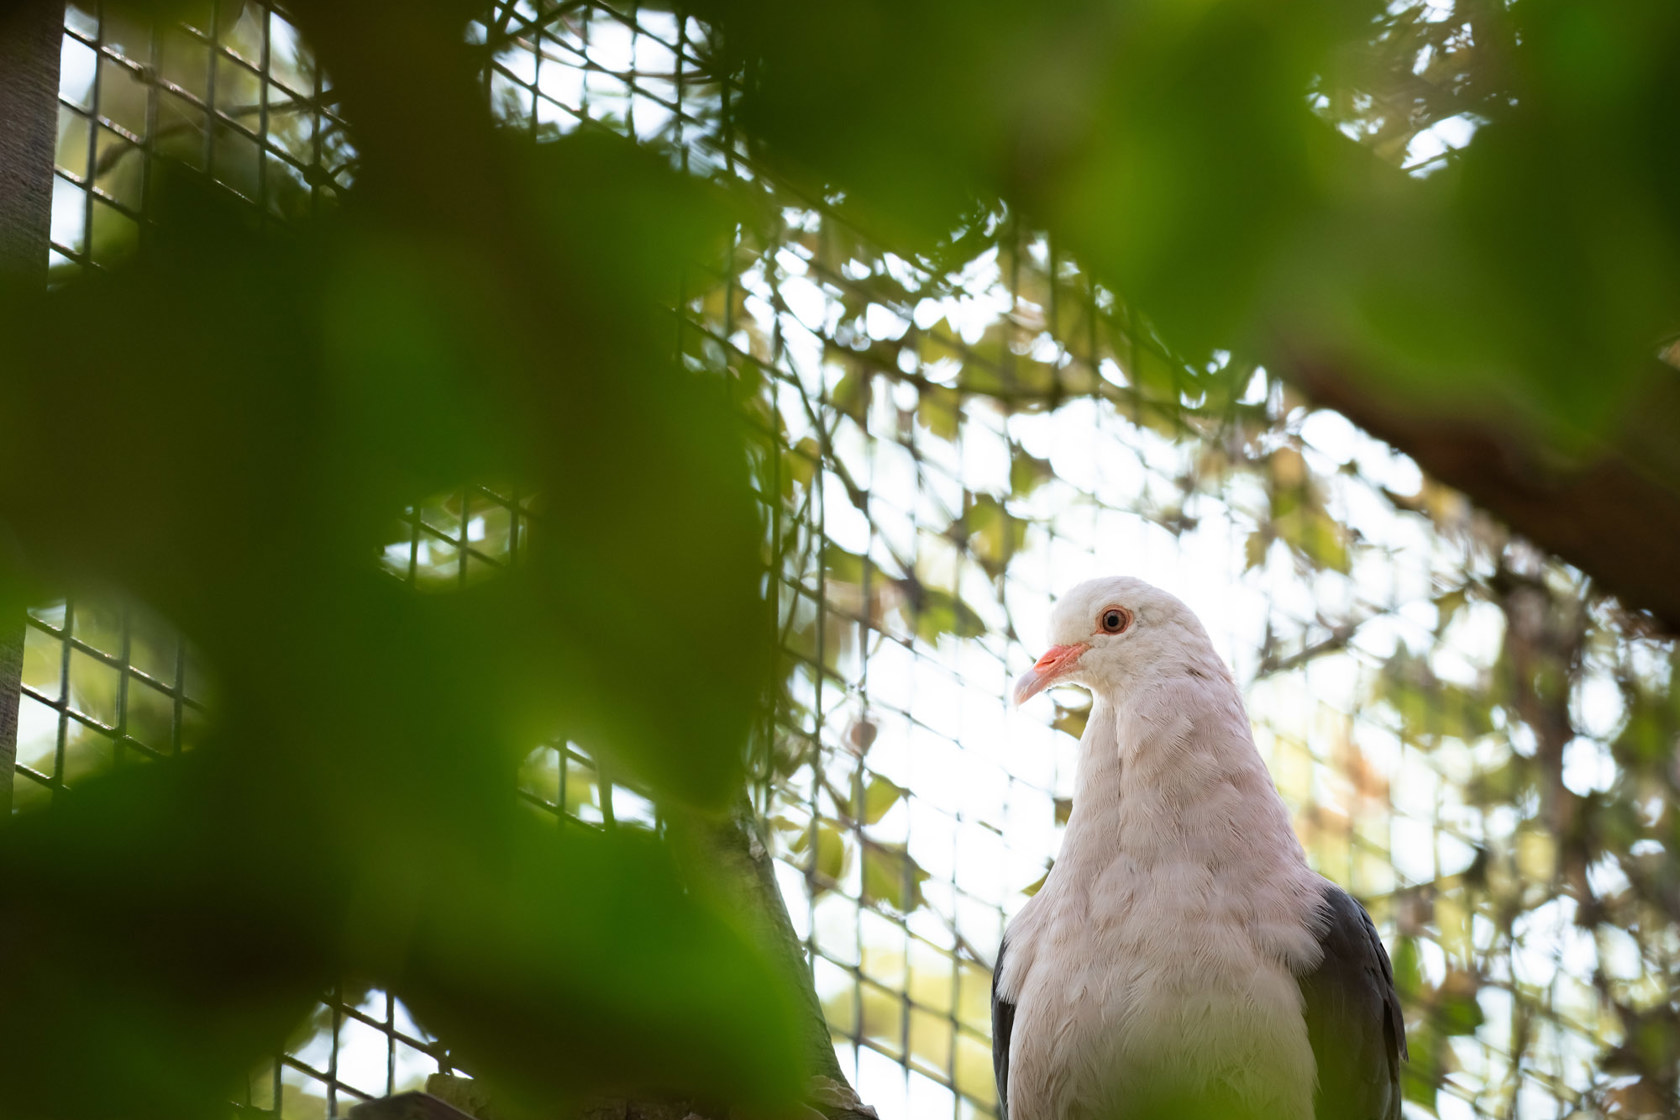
(1181, 959)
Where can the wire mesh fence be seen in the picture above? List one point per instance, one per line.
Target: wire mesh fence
(941, 444)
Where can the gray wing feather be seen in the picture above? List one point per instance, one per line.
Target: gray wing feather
(1353, 1017)
(1003, 1026)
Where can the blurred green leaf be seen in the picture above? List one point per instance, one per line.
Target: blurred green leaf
(891, 877)
(992, 534)
(939, 410)
(1315, 535)
(1426, 704)
(1456, 1010)
(280, 398)
(879, 796)
(542, 1002)
(169, 928)
(1408, 971)
(830, 861)
(1071, 720)
(852, 395)
(937, 612)
(1027, 472)
(1424, 1069)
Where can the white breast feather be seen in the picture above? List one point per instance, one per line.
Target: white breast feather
(1162, 948)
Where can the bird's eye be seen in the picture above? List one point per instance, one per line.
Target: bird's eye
(1114, 620)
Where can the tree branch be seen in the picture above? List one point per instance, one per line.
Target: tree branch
(1615, 515)
(736, 860)
(29, 56)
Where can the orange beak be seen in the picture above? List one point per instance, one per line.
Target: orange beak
(1057, 662)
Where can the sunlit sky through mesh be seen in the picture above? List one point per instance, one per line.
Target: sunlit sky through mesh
(983, 779)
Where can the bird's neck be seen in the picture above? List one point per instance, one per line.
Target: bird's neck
(1169, 772)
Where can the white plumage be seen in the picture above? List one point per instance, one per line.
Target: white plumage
(1166, 965)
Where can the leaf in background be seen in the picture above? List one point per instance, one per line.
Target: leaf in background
(1503, 784)
(993, 535)
(939, 410)
(1455, 1010)
(1653, 723)
(802, 459)
(1447, 607)
(1427, 705)
(940, 343)
(1027, 472)
(1315, 535)
(1426, 1064)
(1408, 970)
(1298, 516)
(830, 862)
(879, 796)
(1070, 720)
(891, 878)
(853, 395)
(939, 612)
(846, 567)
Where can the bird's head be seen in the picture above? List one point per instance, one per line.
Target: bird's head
(1105, 634)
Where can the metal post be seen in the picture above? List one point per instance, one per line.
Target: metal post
(30, 34)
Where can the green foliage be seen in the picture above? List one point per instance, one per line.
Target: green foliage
(1172, 148)
(879, 796)
(938, 612)
(251, 410)
(891, 878)
(1428, 706)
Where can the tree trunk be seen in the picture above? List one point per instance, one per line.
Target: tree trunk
(29, 49)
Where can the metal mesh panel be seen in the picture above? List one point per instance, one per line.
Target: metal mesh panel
(234, 94)
(939, 451)
(103, 687)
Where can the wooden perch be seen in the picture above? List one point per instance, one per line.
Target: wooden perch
(408, 1106)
